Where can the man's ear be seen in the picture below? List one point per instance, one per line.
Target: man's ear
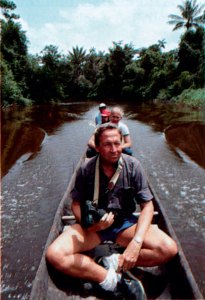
(97, 149)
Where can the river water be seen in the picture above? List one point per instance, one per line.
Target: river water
(40, 149)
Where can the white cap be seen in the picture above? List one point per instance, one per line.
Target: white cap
(102, 105)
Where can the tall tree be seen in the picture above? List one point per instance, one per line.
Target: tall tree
(14, 49)
(77, 58)
(191, 55)
(50, 57)
(7, 6)
(50, 74)
(190, 15)
(13, 55)
(114, 67)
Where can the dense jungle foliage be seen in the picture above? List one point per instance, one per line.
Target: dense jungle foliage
(124, 72)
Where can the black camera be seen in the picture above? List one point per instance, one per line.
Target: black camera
(90, 214)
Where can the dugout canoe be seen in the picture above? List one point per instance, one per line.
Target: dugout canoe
(173, 280)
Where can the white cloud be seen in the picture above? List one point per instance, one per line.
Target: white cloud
(96, 25)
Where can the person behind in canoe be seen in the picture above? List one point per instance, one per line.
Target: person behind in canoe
(102, 110)
(115, 118)
(144, 244)
(91, 151)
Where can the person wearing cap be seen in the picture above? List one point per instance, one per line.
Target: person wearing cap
(102, 111)
(105, 116)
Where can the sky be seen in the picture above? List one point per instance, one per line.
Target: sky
(97, 23)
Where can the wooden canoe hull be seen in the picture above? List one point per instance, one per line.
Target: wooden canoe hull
(171, 281)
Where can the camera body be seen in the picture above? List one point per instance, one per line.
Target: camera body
(91, 214)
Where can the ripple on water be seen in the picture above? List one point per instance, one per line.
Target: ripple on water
(183, 193)
(6, 217)
(22, 184)
(7, 288)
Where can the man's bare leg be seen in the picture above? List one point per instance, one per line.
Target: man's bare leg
(157, 248)
(65, 254)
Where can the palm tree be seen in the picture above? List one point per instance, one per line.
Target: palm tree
(190, 15)
(161, 43)
(77, 59)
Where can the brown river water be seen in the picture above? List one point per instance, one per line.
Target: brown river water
(40, 147)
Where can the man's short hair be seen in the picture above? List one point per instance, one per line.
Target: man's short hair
(99, 131)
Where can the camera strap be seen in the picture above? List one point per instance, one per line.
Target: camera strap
(112, 181)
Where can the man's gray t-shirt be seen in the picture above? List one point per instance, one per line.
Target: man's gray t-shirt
(132, 175)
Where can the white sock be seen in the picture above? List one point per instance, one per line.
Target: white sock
(110, 281)
(112, 261)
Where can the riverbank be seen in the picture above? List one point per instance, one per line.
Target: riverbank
(193, 97)
(190, 97)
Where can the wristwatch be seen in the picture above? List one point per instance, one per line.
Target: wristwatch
(138, 239)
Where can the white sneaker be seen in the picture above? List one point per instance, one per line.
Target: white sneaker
(109, 261)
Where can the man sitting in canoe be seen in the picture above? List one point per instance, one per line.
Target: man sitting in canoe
(103, 203)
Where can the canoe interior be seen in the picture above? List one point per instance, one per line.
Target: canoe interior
(173, 280)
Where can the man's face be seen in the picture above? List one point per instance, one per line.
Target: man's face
(115, 118)
(110, 146)
(105, 119)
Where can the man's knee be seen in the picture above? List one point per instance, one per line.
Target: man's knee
(169, 248)
(54, 255)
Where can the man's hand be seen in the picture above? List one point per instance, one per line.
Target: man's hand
(130, 256)
(105, 222)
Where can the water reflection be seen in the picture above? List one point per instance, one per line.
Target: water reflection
(190, 139)
(160, 116)
(19, 141)
(22, 138)
(184, 127)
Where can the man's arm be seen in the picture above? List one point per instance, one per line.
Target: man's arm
(126, 135)
(144, 221)
(98, 119)
(126, 141)
(91, 142)
(75, 207)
